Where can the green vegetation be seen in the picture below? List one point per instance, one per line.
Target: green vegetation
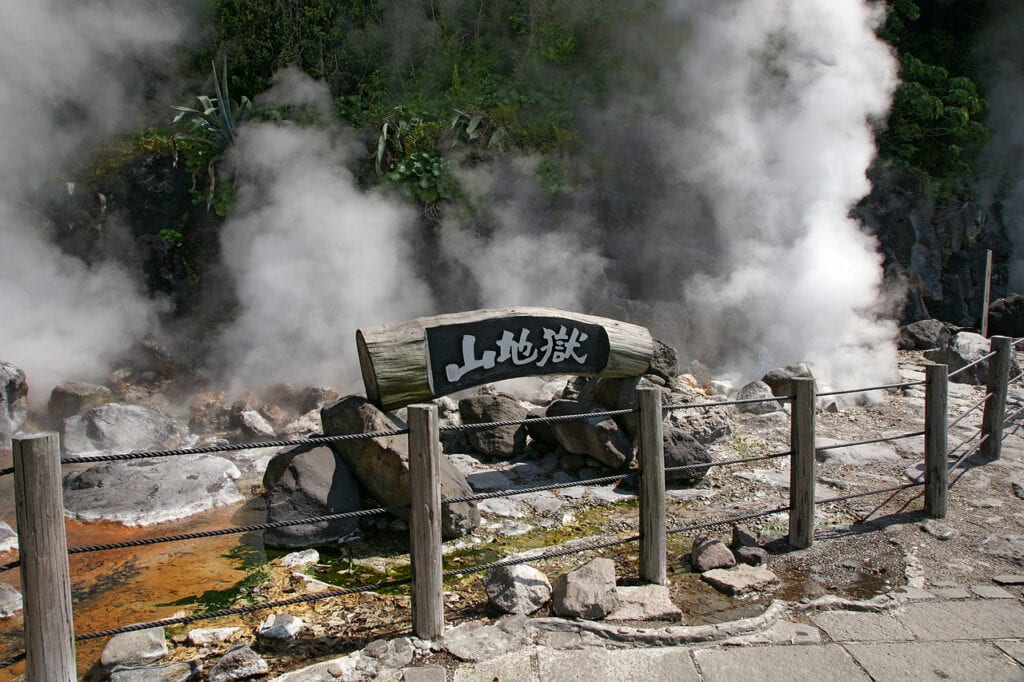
(934, 127)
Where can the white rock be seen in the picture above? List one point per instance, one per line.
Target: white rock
(206, 636)
(281, 626)
(303, 558)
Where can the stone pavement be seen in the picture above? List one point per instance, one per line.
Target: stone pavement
(966, 633)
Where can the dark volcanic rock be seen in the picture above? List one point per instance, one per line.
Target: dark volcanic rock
(501, 441)
(665, 363)
(682, 449)
(620, 394)
(72, 397)
(924, 334)
(780, 380)
(309, 481)
(597, 437)
(382, 464)
(1006, 316)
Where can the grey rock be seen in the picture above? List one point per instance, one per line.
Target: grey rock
(502, 441)
(425, 673)
(741, 537)
(315, 397)
(147, 491)
(752, 556)
(1009, 547)
(682, 449)
(620, 394)
(708, 554)
(382, 464)
(963, 349)
(1008, 579)
(1016, 486)
(306, 425)
(182, 671)
(207, 636)
(924, 335)
(706, 424)
(781, 380)
(664, 363)
(757, 390)
(740, 580)
(645, 602)
(255, 426)
(939, 530)
(872, 453)
(541, 435)
(239, 663)
(134, 648)
(488, 480)
(393, 653)
(299, 559)
(13, 402)
(210, 413)
(71, 398)
(586, 592)
(281, 627)
(517, 589)
(308, 481)
(597, 437)
(121, 428)
(10, 600)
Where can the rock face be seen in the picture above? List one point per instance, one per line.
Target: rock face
(924, 335)
(381, 465)
(13, 402)
(597, 437)
(502, 441)
(963, 349)
(309, 481)
(586, 592)
(121, 428)
(682, 449)
(519, 589)
(147, 491)
(708, 554)
(1006, 316)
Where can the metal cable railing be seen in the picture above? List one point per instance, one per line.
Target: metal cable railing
(849, 391)
(969, 365)
(970, 410)
(886, 439)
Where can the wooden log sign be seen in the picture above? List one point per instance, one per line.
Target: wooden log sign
(430, 357)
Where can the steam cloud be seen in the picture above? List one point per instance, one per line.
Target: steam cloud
(737, 148)
(70, 79)
(312, 256)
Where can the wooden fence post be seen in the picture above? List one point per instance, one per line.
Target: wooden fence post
(425, 522)
(995, 406)
(43, 551)
(801, 467)
(936, 468)
(652, 488)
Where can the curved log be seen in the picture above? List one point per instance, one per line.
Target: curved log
(429, 357)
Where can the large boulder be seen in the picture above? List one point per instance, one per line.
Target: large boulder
(308, 481)
(924, 335)
(780, 380)
(143, 492)
(121, 428)
(620, 394)
(963, 349)
(71, 398)
(13, 402)
(757, 390)
(707, 423)
(682, 449)
(1006, 316)
(381, 465)
(597, 437)
(501, 441)
(586, 592)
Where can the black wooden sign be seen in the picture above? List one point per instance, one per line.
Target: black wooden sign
(473, 353)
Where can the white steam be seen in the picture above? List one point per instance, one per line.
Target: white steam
(313, 259)
(70, 78)
(775, 97)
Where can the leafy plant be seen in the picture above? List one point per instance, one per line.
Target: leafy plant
(172, 237)
(425, 176)
(217, 118)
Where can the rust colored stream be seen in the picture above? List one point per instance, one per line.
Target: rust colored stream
(119, 587)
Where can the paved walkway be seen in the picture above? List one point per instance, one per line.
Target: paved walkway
(971, 637)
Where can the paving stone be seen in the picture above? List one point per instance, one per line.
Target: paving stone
(740, 579)
(991, 592)
(827, 663)
(1014, 650)
(427, 673)
(649, 665)
(645, 602)
(782, 632)
(1009, 579)
(476, 642)
(951, 593)
(853, 626)
(515, 666)
(913, 593)
(963, 620)
(967, 661)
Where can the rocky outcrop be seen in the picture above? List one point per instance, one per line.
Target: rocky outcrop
(597, 437)
(501, 441)
(309, 481)
(381, 465)
(147, 491)
(121, 428)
